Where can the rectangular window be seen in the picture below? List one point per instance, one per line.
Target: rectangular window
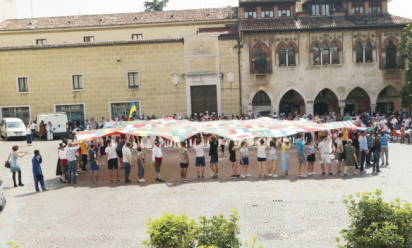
(376, 9)
(88, 39)
(358, 9)
(325, 9)
(16, 112)
(77, 81)
(40, 42)
(137, 36)
(267, 13)
(315, 9)
(121, 110)
(250, 14)
(284, 12)
(75, 112)
(23, 84)
(133, 79)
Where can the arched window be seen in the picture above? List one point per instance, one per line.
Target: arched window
(261, 61)
(282, 57)
(261, 99)
(335, 53)
(359, 52)
(325, 54)
(391, 57)
(368, 52)
(291, 55)
(316, 55)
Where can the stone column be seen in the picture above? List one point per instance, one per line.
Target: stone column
(309, 107)
(373, 107)
(342, 104)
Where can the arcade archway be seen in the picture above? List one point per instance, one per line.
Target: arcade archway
(358, 101)
(326, 102)
(292, 103)
(261, 104)
(389, 100)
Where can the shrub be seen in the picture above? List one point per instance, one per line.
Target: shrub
(171, 231)
(219, 231)
(376, 223)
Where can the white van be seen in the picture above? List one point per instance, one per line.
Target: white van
(58, 120)
(12, 127)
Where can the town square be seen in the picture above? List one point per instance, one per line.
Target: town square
(205, 124)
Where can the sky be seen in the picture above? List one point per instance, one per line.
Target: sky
(40, 8)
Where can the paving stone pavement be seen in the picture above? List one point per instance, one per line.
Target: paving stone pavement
(282, 212)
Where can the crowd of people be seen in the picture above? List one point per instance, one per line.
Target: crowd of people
(350, 151)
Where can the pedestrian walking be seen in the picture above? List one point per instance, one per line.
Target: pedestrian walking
(261, 158)
(244, 153)
(49, 130)
(112, 162)
(14, 164)
(62, 163)
(363, 150)
(384, 149)
(84, 152)
(272, 160)
(29, 135)
(285, 155)
(376, 151)
(350, 158)
(311, 156)
(300, 147)
(325, 149)
(232, 159)
(37, 171)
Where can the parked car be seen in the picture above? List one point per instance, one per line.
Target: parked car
(58, 121)
(12, 127)
(2, 197)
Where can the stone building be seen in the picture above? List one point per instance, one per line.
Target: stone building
(320, 56)
(265, 56)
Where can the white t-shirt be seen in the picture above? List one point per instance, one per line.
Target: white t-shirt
(261, 151)
(62, 154)
(272, 151)
(111, 152)
(199, 150)
(325, 147)
(127, 154)
(244, 151)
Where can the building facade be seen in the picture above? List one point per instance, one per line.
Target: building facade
(263, 57)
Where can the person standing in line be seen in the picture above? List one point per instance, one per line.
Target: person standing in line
(94, 167)
(184, 161)
(261, 158)
(214, 156)
(244, 152)
(325, 149)
(112, 162)
(384, 149)
(119, 150)
(63, 162)
(157, 158)
(272, 160)
(49, 130)
(350, 159)
(37, 171)
(72, 161)
(14, 165)
(300, 146)
(339, 151)
(363, 150)
(311, 156)
(140, 164)
(232, 159)
(200, 159)
(83, 155)
(222, 143)
(29, 135)
(376, 151)
(285, 155)
(127, 159)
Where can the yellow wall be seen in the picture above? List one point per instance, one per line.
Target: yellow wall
(28, 38)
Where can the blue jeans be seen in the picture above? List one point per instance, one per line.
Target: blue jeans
(29, 138)
(72, 172)
(127, 170)
(363, 155)
(39, 179)
(140, 169)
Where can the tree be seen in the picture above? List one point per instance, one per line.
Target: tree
(155, 5)
(376, 223)
(406, 51)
